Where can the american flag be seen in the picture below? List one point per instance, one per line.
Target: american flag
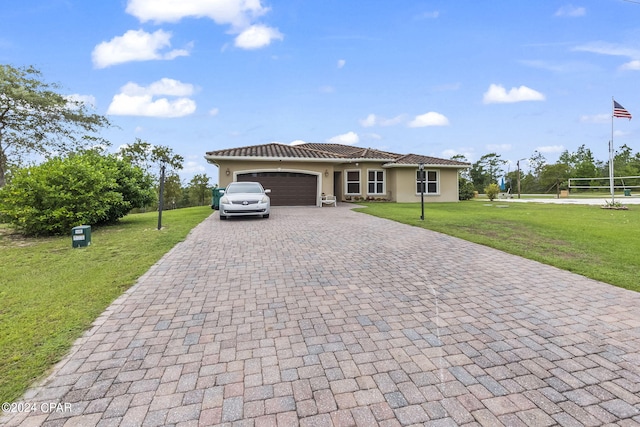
(620, 111)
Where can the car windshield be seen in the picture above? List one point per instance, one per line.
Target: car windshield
(244, 187)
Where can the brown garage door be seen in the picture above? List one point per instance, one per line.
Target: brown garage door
(287, 188)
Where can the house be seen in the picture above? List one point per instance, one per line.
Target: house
(301, 174)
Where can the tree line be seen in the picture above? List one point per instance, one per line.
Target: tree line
(78, 182)
(542, 177)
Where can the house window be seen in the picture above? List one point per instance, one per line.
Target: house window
(375, 182)
(431, 183)
(353, 182)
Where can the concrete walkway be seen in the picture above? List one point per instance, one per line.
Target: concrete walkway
(326, 317)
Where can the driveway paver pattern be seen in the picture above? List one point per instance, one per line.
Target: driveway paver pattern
(327, 317)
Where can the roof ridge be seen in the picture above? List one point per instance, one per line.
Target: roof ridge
(402, 156)
(318, 150)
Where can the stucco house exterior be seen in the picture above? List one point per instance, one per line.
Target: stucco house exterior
(302, 174)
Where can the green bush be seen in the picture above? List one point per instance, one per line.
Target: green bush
(64, 192)
(465, 189)
(492, 191)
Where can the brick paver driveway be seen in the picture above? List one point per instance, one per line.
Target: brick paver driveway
(323, 316)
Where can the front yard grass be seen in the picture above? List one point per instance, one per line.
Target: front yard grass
(50, 293)
(598, 243)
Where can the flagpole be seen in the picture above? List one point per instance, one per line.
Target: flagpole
(610, 153)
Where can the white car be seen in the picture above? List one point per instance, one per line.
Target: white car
(244, 199)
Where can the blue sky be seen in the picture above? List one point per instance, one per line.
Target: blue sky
(436, 78)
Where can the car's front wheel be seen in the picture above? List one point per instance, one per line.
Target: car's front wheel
(265, 216)
(223, 217)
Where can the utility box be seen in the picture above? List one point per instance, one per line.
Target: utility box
(81, 236)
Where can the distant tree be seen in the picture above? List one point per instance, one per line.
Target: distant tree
(199, 188)
(151, 157)
(581, 163)
(464, 173)
(36, 119)
(625, 163)
(552, 175)
(486, 170)
(537, 162)
(586, 164)
(172, 191)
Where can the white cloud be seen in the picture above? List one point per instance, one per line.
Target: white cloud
(135, 46)
(612, 49)
(429, 119)
(449, 153)
(467, 152)
(560, 67)
(341, 63)
(257, 36)
(87, 100)
(214, 112)
(596, 118)
(238, 13)
(550, 149)
(349, 138)
(373, 120)
(297, 142)
(193, 167)
(135, 100)
(498, 94)
(368, 121)
(571, 11)
(631, 65)
(172, 87)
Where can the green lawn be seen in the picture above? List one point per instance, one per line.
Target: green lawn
(598, 243)
(50, 293)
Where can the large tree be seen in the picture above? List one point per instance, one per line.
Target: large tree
(151, 157)
(199, 188)
(487, 170)
(36, 119)
(581, 163)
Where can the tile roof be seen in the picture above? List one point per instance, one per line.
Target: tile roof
(322, 151)
(416, 159)
(351, 151)
(272, 150)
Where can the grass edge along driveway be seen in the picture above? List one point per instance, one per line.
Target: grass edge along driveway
(598, 243)
(50, 293)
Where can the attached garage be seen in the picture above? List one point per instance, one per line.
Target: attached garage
(287, 188)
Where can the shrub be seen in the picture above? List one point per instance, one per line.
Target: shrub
(465, 189)
(83, 188)
(492, 191)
